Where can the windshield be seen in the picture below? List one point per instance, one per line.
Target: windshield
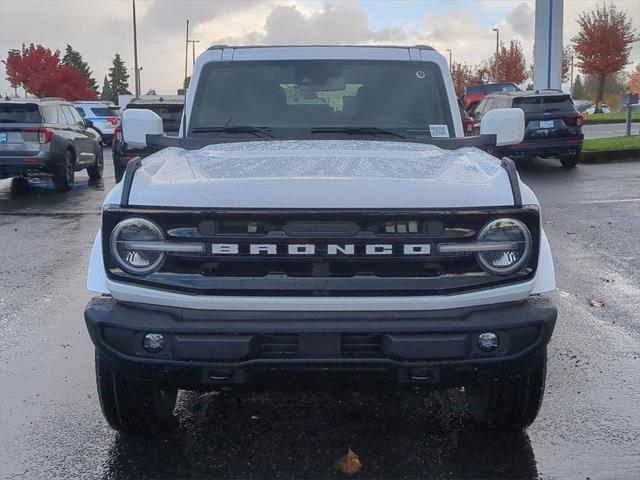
(19, 113)
(104, 111)
(402, 96)
(490, 88)
(546, 104)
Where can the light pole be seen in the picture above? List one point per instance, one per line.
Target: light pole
(497, 52)
(135, 52)
(450, 64)
(193, 50)
(139, 81)
(186, 58)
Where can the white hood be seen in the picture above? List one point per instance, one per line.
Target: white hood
(321, 174)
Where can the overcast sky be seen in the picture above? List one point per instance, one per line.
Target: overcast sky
(99, 28)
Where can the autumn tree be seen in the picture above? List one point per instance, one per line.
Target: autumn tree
(566, 63)
(603, 44)
(481, 74)
(39, 71)
(73, 58)
(462, 75)
(512, 66)
(577, 89)
(634, 80)
(118, 77)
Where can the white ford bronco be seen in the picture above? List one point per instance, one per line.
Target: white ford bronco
(320, 212)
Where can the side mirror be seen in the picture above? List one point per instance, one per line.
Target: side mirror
(137, 124)
(88, 123)
(507, 124)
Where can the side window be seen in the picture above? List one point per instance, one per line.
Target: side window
(67, 114)
(76, 117)
(49, 114)
(480, 109)
(81, 111)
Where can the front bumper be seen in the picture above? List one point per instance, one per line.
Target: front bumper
(206, 348)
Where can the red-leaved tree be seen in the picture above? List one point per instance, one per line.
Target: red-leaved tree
(603, 44)
(634, 80)
(38, 70)
(462, 75)
(512, 66)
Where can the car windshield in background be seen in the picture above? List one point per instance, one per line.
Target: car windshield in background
(171, 114)
(104, 112)
(396, 96)
(490, 88)
(16, 113)
(545, 104)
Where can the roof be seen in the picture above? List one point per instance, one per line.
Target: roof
(220, 47)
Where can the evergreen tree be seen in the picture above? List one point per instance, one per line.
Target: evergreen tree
(106, 91)
(577, 90)
(118, 78)
(74, 59)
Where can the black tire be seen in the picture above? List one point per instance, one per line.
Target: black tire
(64, 175)
(118, 170)
(133, 405)
(95, 171)
(510, 403)
(569, 161)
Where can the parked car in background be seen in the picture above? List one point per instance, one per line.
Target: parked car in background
(582, 105)
(592, 109)
(47, 138)
(169, 110)
(474, 94)
(105, 117)
(553, 126)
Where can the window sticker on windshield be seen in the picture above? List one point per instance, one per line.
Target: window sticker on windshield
(420, 74)
(439, 131)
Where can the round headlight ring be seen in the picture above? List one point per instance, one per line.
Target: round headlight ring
(522, 261)
(122, 263)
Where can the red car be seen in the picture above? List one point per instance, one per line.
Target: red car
(474, 94)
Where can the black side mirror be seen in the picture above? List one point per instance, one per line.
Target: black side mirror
(88, 123)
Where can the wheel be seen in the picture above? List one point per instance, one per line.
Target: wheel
(119, 171)
(64, 175)
(133, 405)
(95, 171)
(509, 403)
(569, 161)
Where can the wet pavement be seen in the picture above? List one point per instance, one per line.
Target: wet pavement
(589, 425)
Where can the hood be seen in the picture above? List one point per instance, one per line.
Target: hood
(321, 174)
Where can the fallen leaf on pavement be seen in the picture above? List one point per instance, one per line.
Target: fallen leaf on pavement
(349, 464)
(596, 303)
(211, 394)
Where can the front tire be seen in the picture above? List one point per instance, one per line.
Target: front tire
(133, 405)
(95, 171)
(64, 175)
(510, 403)
(569, 161)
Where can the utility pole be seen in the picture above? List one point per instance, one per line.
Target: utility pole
(571, 75)
(450, 64)
(193, 50)
(135, 52)
(186, 57)
(497, 52)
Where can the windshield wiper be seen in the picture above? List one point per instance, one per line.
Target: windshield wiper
(361, 130)
(235, 129)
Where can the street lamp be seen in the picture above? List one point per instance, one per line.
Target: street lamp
(497, 46)
(450, 64)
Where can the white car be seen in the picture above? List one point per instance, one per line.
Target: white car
(321, 211)
(592, 109)
(105, 117)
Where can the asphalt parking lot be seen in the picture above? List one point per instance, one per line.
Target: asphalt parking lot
(589, 425)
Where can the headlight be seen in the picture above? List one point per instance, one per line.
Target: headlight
(132, 246)
(512, 241)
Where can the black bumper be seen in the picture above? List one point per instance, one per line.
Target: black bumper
(545, 147)
(204, 348)
(40, 163)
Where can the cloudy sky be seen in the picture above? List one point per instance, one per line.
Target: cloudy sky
(99, 28)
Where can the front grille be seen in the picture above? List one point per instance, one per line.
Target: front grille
(328, 271)
(352, 345)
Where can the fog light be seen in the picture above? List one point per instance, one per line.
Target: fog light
(153, 342)
(488, 341)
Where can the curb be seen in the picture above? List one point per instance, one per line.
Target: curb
(608, 122)
(605, 156)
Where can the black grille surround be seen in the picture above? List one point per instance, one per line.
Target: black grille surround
(320, 274)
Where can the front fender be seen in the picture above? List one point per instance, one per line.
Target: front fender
(546, 274)
(96, 276)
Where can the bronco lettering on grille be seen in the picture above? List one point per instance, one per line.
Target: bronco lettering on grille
(328, 249)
